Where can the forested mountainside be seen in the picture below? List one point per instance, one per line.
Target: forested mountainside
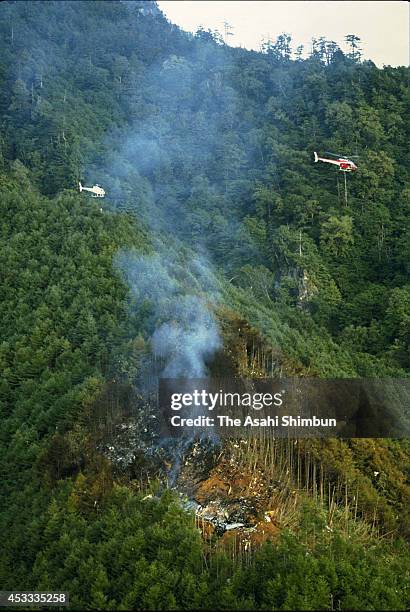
(215, 219)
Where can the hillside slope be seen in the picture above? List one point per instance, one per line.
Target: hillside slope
(215, 214)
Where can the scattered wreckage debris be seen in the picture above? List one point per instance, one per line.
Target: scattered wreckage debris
(228, 497)
(237, 504)
(235, 499)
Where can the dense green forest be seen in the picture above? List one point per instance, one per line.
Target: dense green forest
(218, 234)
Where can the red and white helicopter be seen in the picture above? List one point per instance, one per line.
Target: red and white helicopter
(345, 164)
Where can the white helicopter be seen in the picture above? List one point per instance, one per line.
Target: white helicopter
(95, 190)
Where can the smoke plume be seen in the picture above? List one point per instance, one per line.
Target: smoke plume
(180, 298)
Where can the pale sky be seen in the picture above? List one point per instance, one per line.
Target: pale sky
(382, 26)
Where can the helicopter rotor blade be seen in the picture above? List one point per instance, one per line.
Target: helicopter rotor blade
(340, 155)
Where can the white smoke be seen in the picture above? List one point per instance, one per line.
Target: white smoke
(180, 297)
